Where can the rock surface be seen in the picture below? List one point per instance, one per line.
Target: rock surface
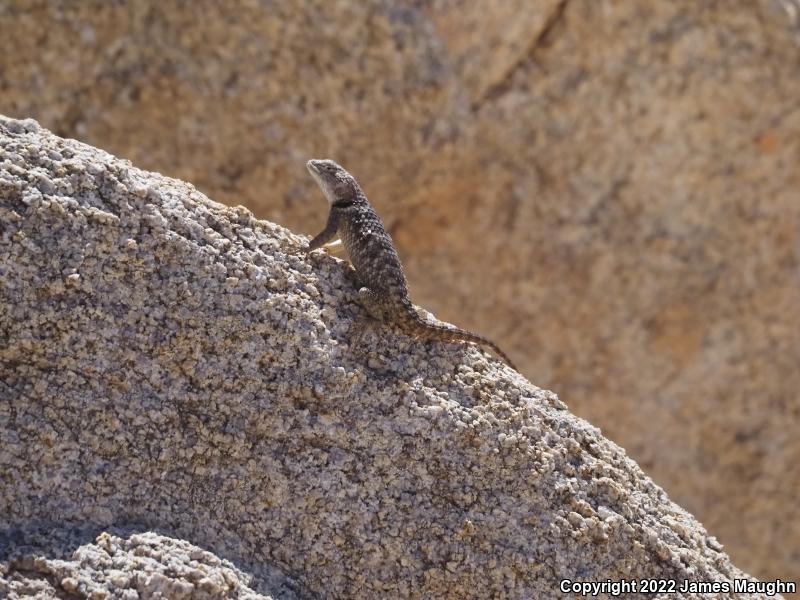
(175, 364)
(607, 189)
(61, 564)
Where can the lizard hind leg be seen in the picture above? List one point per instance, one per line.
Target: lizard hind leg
(375, 314)
(372, 303)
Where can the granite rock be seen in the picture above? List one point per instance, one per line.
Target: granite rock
(172, 364)
(119, 564)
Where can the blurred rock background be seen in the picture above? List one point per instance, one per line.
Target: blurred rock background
(608, 189)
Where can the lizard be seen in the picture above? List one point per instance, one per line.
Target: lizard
(383, 289)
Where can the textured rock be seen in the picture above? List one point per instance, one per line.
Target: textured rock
(178, 365)
(607, 189)
(60, 564)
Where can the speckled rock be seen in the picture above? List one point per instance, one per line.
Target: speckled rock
(607, 189)
(120, 564)
(179, 365)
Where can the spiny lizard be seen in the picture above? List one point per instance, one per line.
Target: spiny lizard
(384, 291)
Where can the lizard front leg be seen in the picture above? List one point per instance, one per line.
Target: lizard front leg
(327, 234)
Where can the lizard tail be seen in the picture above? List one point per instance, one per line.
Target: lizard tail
(416, 325)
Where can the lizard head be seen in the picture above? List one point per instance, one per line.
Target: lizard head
(336, 183)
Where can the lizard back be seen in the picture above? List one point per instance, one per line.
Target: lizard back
(372, 251)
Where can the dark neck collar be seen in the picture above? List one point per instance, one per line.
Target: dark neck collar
(344, 202)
